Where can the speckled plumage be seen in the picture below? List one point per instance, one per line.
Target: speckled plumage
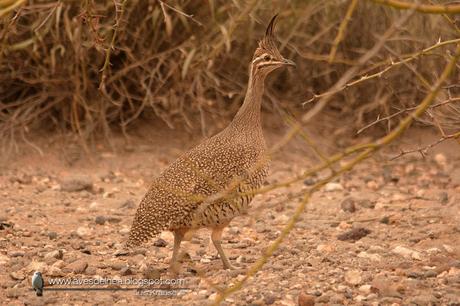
(238, 153)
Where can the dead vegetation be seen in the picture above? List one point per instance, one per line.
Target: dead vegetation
(89, 66)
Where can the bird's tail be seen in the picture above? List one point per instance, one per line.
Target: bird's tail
(39, 292)
(150, 220)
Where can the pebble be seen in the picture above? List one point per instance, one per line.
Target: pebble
(100, 220)
(161, 243)
(76, 267)
(348, 205)
(17, 254)
(333, 187)
(440, 159)
(151, 273)
(306, 299)
(52, 235)
(124, 231)
(365, 289)
(57, 254)
(77, 183)
(353, 277)
(83, 231)
(407, 253)
(354, 234)
(370, 256)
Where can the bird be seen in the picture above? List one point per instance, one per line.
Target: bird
(38, 283)
(185, 196)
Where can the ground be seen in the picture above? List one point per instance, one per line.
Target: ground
(387, 233)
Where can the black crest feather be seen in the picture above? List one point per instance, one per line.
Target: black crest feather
(268, 42)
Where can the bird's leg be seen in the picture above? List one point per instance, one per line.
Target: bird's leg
(216, 237)
(174, 265)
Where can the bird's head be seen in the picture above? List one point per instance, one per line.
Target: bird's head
(37, 273)
(267, 56)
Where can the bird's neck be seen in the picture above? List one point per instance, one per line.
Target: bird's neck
(248, 115)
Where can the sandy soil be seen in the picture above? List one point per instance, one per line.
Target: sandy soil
(387, 233)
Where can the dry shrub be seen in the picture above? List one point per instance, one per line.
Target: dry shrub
(61, 65)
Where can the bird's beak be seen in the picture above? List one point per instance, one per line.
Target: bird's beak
(288, 62)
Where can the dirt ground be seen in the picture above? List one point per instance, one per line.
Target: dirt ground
(387, 233)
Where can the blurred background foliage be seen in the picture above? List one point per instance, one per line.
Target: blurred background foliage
(93, 66)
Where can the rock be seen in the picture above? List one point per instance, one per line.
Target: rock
(55, 272)
(423, 299)
(52, 235)
(124, 231)
(325, 248)
(83, 231)
(269, 299)
(365, 203)
(126, 271)
(77, 183)
(76, 267)
(373, 257)
(57, 254)
(13, 293)
(385, 287)
(161, 243)
(443, 197)
(354, 234)
(333, 187)
(365, 289)
(17, 254)
(306, 299)
(385, 220)
(407, 253)
(17, 276)
(151, 273)
(121, 252)
(440, 159)
(353, 277)
(348, 205)
(100, 220)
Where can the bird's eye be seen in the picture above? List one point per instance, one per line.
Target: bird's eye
(267, 57)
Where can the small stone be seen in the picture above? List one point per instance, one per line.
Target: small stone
(17, 254)
(333, 187)
(17, 276)
(55, 272)
(407, 253)
(57, 254)
(448, 248)
(77, 183)
(440, 159)
(151, 273)
(365, 289)
(443, 198)
(353, 277)
(430, 273)
(161, 243)
(354, 234)
(82, 231)
(348, 205)
(385, 220)
(325, 248)
(306, 299)
(124, 231)
(52, 235)
(100, 220)
(126, 271)
(13, 293)
(366, 203)
(373, 257)
(76, 267)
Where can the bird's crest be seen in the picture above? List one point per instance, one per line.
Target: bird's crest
(268, 42)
